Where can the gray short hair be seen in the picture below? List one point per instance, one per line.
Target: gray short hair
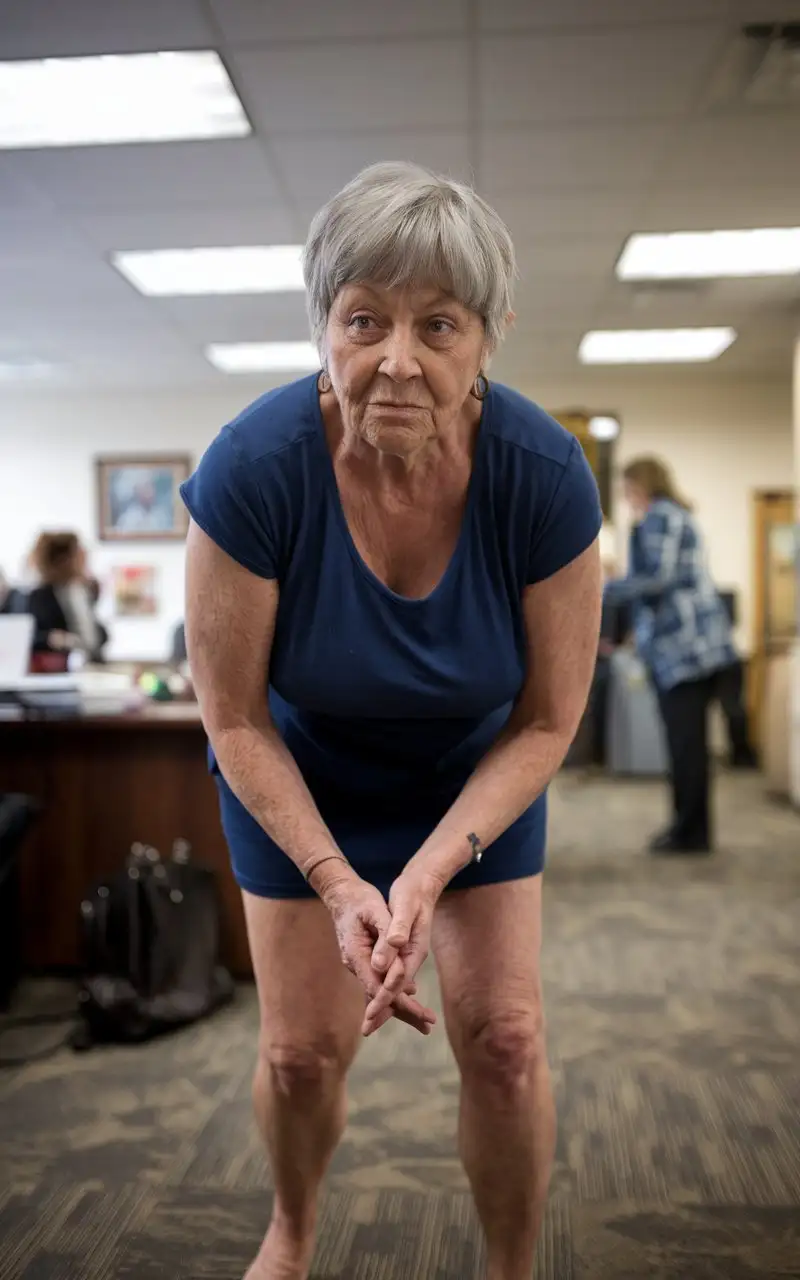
(398, 224)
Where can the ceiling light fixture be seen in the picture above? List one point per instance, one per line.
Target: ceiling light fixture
(603, 427)
(164, 273)
(686, 255)
(653, 346)
(263, 357)
(116, 98)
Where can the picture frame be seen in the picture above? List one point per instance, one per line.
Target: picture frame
(138, 498)
(135, 590)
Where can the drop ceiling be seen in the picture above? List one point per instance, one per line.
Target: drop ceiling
(582, 120)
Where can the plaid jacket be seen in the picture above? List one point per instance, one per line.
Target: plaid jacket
(680, 625)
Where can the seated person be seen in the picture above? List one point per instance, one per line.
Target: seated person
(12, 599)
(63, 606)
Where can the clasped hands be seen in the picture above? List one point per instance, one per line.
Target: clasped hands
(386, 946)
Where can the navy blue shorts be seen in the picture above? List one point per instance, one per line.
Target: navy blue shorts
(378, 848)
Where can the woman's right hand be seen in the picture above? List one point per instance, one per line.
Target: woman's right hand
(360, 916)
(62, 640)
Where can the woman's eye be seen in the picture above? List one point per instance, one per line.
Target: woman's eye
(440, 326)
(361, 322)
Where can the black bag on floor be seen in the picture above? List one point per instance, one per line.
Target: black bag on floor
(151, 950)
(16, 815)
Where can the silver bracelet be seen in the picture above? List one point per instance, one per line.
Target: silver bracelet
(476, 846)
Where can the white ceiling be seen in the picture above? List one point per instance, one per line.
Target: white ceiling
(582, 120)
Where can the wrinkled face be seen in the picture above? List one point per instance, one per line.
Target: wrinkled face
(402, 362)
(636, 499)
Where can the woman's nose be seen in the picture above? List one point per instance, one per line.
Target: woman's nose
(400, 354)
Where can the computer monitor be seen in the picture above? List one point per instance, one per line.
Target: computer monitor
(16, 641)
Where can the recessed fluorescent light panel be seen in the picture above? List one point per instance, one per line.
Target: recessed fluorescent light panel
(688, 255)
(653, 346)
(165, 273)
(263, 357)
(115, 98)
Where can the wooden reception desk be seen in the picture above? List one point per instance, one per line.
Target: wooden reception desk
(105, 782)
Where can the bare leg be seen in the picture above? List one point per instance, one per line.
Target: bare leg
(311, 1013)
(487, 944)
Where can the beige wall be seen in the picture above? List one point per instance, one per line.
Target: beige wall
(795, 731)
(724, 438)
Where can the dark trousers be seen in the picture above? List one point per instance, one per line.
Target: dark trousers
(730, 693)
(684, 709)
(598, 708)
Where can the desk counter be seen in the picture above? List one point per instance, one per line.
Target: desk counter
(106, 782)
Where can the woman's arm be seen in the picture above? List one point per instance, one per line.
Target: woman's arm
(230, 624)
(659, 566)
(562, 618)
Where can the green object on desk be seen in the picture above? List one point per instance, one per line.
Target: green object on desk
(155, 687)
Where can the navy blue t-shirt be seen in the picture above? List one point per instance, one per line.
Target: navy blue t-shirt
(381, 698)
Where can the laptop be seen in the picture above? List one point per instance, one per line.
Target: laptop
(16, 641)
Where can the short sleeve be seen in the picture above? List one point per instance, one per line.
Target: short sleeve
(570, 522)
(227, 499)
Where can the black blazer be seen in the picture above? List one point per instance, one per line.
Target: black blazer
(43, 604)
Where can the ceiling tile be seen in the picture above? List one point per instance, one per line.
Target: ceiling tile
(579, 257)
(589, 213)
(763, 10)
(15, 193)
(31, 233)
(255, 318)
(57, 279)
(706, 208)
(545, 300)
(524, 15)
(516, 160)
(252, 21)
(735, 152)
(610, 74)
(176, 175)
(196, 226)
(315, 166)
(391, 85)
(44, 28)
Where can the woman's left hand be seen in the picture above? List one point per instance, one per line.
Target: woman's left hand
(401, 951)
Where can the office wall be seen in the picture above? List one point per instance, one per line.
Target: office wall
(724, 437)
(795, 718)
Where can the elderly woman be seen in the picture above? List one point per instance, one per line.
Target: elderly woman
(393, 599)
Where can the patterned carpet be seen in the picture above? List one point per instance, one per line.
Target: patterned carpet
(675, 1037)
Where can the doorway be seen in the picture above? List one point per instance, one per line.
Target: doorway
(775, 593)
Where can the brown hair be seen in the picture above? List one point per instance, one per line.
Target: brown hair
(655, 479)
(54, 557)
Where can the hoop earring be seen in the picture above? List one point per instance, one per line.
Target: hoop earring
(324, 383)
(480, 387)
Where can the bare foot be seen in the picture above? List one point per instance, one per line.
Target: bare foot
(282, 1257)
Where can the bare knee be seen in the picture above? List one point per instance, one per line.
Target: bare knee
(299, 1070)
(502, 1050)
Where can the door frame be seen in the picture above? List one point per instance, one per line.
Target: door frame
(764, 504)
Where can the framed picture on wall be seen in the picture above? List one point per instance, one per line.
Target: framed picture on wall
(138, 498)
(135, 591)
